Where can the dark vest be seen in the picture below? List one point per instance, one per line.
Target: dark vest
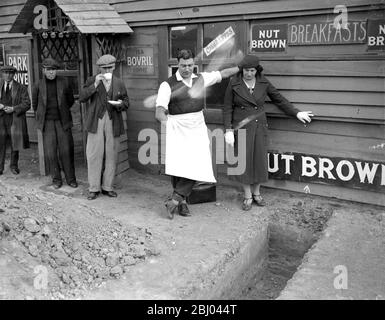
(6, 98)
(52, 111)
(180, 101)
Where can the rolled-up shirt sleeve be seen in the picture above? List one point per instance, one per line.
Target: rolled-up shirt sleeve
(211, 78)
(164, 95)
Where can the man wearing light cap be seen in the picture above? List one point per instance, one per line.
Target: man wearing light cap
(107, 98)
(14, 103)
(52, 99)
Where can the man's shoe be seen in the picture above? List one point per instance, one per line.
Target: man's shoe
(183, 209)
(1, 172)
(73, 184)
(15, 170)
(111, 194)
(57, 185)
(172, 208)
(92, 195)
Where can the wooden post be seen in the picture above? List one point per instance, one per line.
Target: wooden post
(83, 59)
(36, 71)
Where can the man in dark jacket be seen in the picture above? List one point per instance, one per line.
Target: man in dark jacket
(107, 98)
(52, 99)
(14, 103)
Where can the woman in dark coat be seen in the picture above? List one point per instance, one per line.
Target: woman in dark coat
(245, 96)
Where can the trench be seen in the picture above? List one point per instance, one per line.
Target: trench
(286, 247)
(266, 263)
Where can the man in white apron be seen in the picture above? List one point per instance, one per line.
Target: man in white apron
(179, 105)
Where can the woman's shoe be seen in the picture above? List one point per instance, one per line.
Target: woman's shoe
(259, 200)
(247, 204)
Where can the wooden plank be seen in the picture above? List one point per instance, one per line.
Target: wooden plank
(328, 83)
(330, 128)
(5, 3)
(100, 22)
(68, 8)
(353, 68)
(169, 11)
(93, 14)
(332, 97)
(330, 145)
(338, 111)
(163, 52)
(105, 29)
(330, 191)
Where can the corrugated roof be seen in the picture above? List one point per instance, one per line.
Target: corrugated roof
(89, 16)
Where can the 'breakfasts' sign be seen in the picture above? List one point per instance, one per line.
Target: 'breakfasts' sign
(326, 33)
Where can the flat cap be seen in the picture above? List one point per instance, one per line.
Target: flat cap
(7, 68)
(249, 61)
(106, 60)
(50, 63)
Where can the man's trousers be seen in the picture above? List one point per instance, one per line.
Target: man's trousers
(182, 187)
(102, 146)
(5, 136)
(55, 140)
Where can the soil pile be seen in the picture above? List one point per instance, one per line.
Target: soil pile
(79, 245)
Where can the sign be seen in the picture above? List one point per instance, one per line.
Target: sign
(21, 62)
(140, 60)
(308, 34)
(219, 41)
(344, 172)
(376, 35)
(269, 38)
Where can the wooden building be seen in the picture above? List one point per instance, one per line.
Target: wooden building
(322, 56)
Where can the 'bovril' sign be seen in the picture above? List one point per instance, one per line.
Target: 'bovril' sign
(140, 60)
(345, 172)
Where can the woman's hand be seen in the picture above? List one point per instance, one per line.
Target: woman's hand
(304, 116)
(229, 138)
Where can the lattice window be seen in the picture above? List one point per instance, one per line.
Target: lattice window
(109, 44)
(63, 49)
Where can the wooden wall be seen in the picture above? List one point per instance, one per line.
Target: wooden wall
(342, 84)
(9, 9)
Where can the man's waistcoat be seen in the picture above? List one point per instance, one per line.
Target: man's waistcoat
(180, 101)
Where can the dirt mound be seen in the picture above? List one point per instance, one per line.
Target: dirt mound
(79, 245)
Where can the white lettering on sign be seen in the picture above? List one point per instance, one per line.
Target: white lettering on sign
(268, 38)
(219, 41)
(299, 167)
(326, 33)
(20, 62)
(139, 61)
(41, 20)
(342, 17)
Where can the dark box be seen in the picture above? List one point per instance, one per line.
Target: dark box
(202, 192)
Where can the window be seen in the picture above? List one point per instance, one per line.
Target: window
(183, 37)
(214, 45)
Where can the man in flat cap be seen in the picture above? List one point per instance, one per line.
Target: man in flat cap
(52, 99)
(107, 98)
(14, 103)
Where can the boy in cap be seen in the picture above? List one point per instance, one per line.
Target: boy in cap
(52, 99)
(14, 103)
(107, 98)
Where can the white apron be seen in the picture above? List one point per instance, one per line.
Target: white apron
(188, 147)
